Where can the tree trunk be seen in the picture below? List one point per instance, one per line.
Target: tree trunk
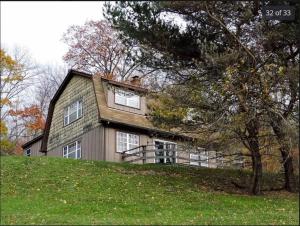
(289, 177)
(253, 141)
(285, 150)
(257, 174)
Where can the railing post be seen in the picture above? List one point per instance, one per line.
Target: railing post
(144, 153)
(122, 155)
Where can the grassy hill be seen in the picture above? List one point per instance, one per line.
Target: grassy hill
(64, 191)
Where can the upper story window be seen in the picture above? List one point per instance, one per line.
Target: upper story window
(27, 152)
(73, 112)
(127, 98)
(127, 141)
(72, 150)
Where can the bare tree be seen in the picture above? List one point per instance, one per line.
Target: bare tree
(96, 48)
(47, 84)
(17, 75)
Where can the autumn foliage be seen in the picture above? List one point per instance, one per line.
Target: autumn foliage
(32, 116)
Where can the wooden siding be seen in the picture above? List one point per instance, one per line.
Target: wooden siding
(35, 148)
(111, 153)
(91, 145)
(78, 88)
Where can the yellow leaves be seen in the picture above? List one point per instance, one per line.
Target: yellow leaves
(6, 60)
(281, 71)
(231, 70)
(3, 128)
(13, 78)
(5, 101)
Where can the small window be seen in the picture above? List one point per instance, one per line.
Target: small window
(27, 152)
(127, 141)
(73, 112)
(72, 150)
(127, 98)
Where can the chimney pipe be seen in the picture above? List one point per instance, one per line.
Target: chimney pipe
(136, 81)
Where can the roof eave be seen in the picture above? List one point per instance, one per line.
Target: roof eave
(32, 141)
(109, 122)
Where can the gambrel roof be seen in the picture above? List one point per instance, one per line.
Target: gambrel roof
(108, 116)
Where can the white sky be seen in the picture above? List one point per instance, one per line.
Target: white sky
(39, 26)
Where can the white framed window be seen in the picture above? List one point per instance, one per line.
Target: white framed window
(204, 158)
(73, 112)
(27, 152)
(127, 141)
(72, 150)
(200, 159)
(165, 152)
(127, 98)
(194, 159)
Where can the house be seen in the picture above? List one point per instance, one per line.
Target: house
(95, 118)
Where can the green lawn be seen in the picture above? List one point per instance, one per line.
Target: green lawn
(64, 191)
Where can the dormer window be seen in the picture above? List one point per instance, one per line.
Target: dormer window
(127, 98)
(73, 112)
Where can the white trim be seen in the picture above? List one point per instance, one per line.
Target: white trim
(77, 149)
(197, 163)
(127, 140)
(79, 109)
(205, 156)
(165, 142)
(123, 94)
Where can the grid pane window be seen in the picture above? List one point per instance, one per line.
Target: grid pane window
(72, 150)
(194, 159)
(127, 98)
(73, 112)
(200, 159)
(126, 141)
(204, 158)
(165, 152)
(120, 97)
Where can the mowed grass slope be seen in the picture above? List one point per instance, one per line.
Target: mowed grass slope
(64, 191)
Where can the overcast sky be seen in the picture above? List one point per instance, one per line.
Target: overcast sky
(39, 26)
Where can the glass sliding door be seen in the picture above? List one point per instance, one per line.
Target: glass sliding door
(165, 152)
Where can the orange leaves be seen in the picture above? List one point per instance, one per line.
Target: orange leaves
(32, 115)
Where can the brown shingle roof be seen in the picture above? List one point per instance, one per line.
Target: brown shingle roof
(115, 115)
(106, 114)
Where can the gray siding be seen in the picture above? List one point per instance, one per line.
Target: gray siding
(91, 145)
(111, 153)
(60, 134)
(35, 148)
